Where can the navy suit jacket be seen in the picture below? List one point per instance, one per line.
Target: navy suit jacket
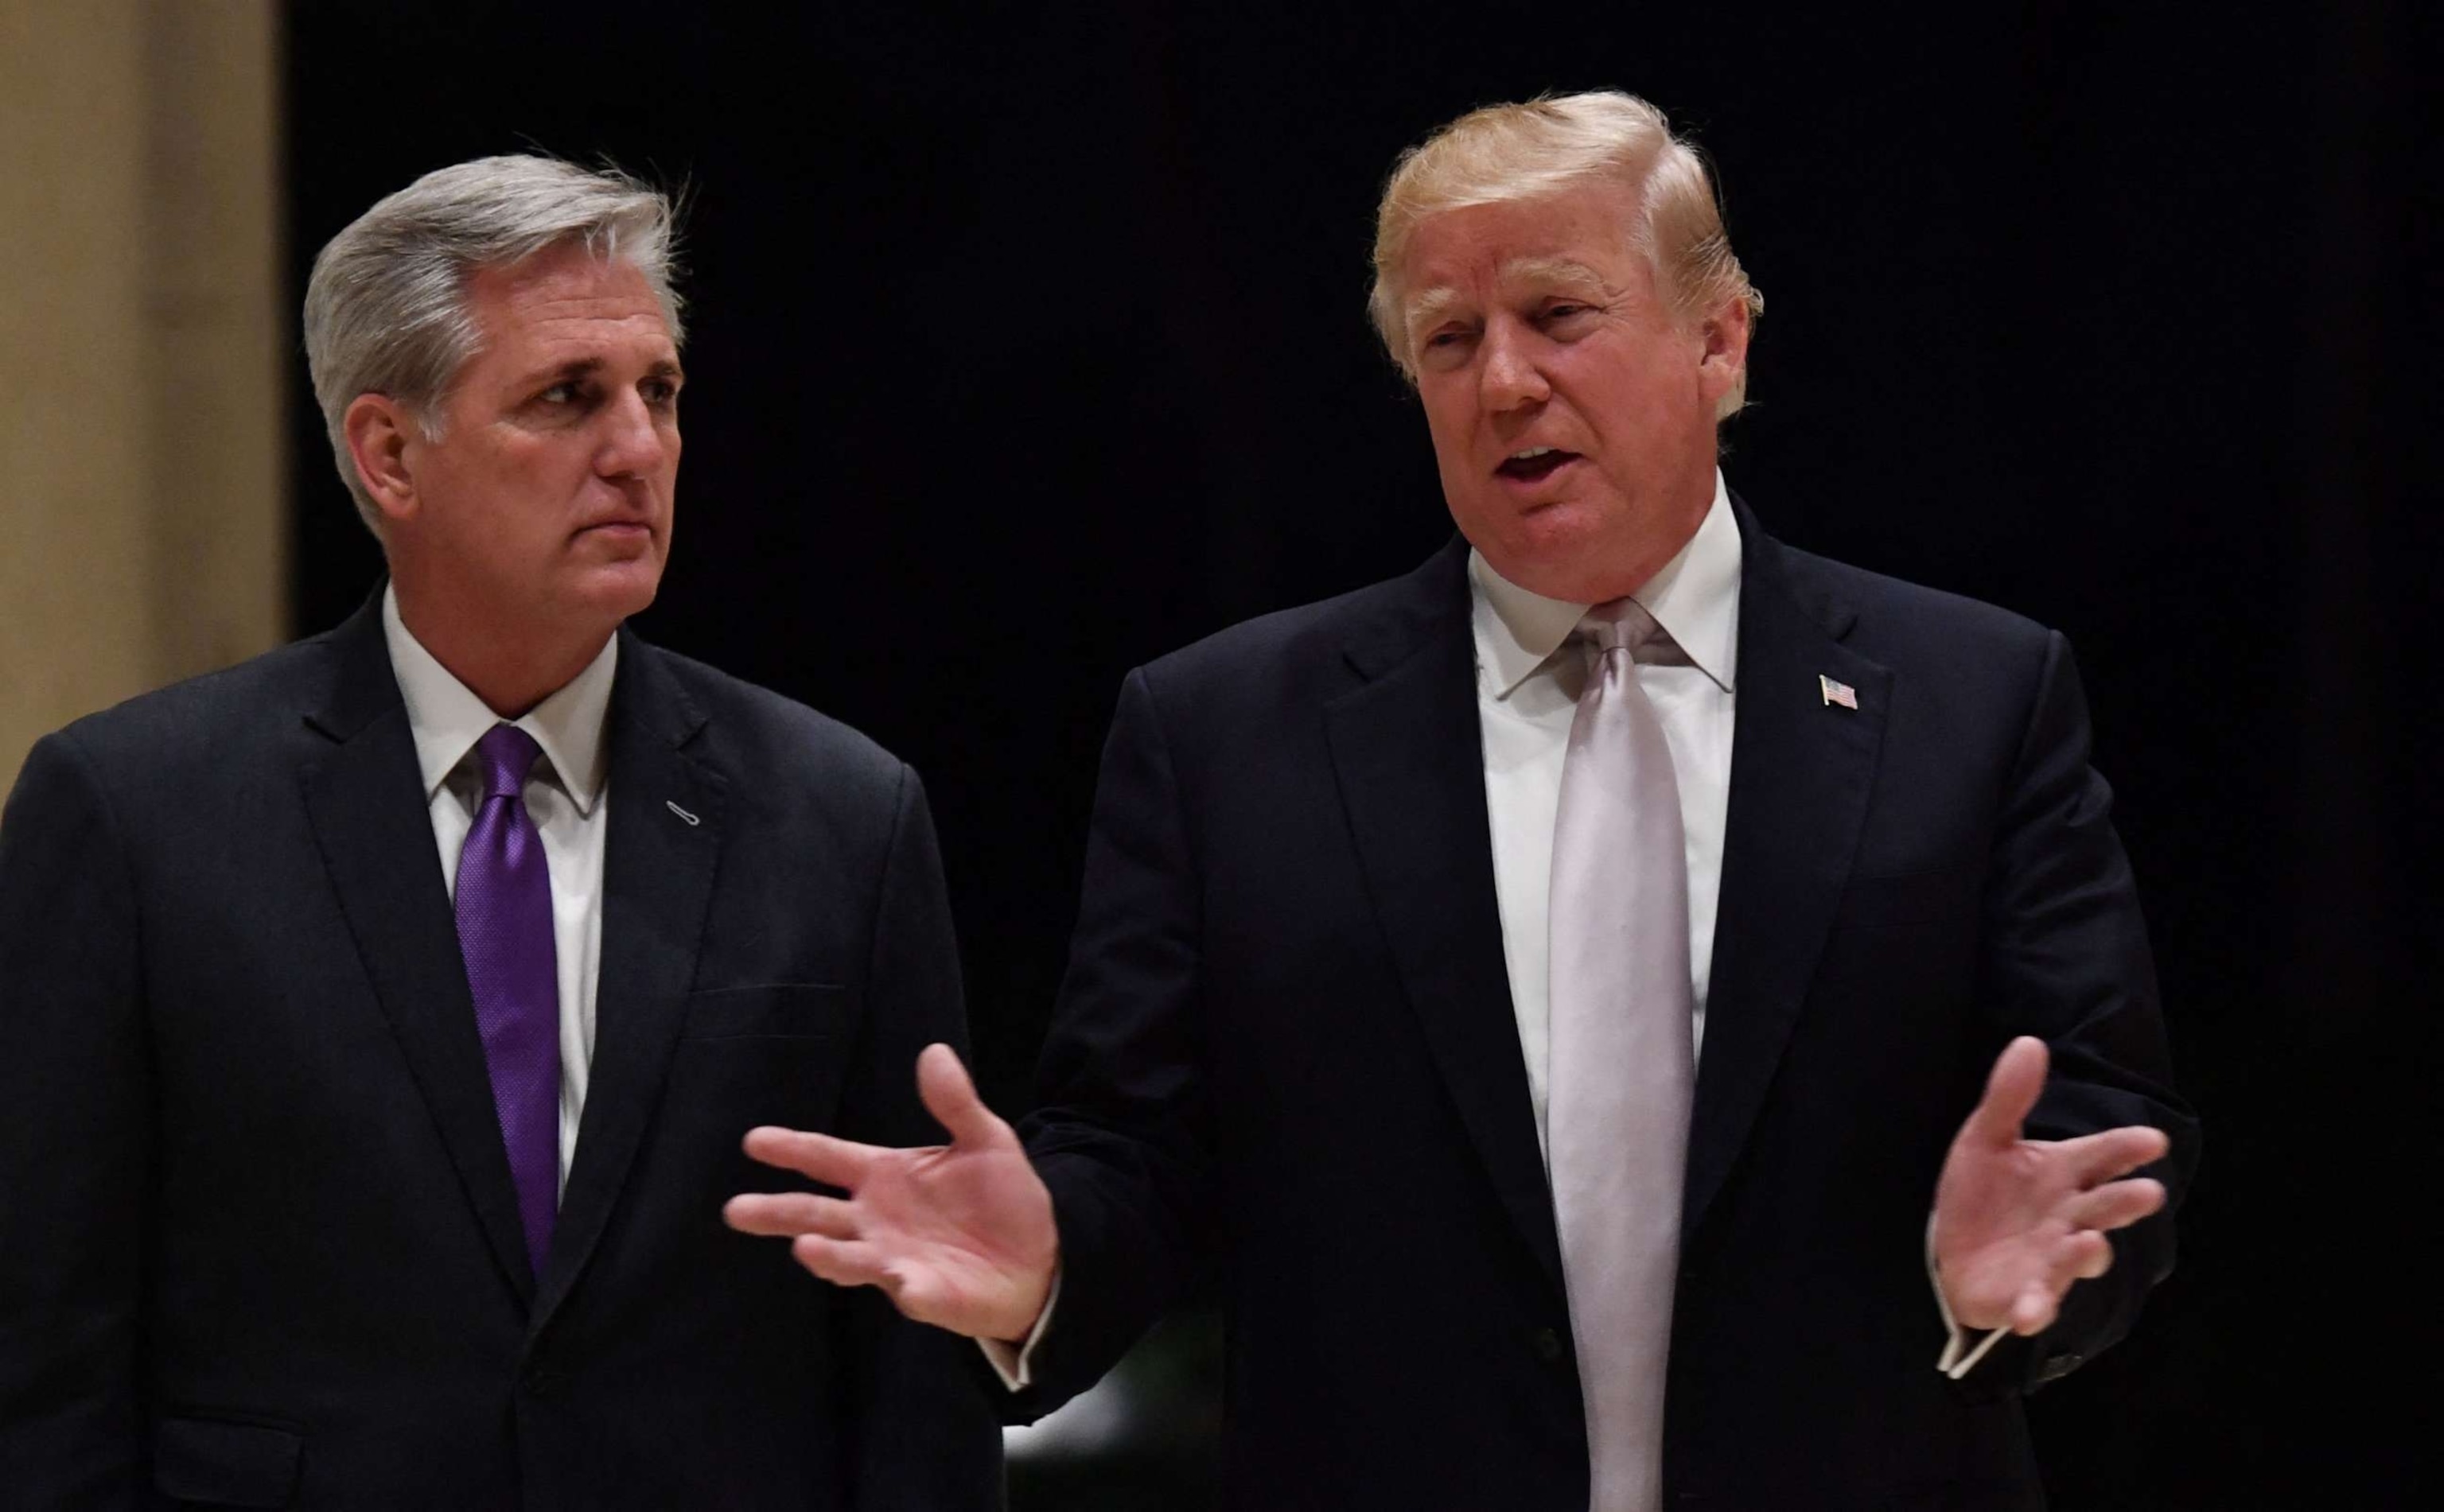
(1285, 1063)
(259, 1244)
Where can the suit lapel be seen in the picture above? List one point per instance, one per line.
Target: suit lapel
(365, 800)
(1801, 770)
(666, 817)
(1411, 768)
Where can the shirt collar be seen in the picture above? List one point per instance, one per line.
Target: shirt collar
(447, 719)
(1696, 597)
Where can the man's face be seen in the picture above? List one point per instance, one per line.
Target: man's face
(547, 498)
(1572, 415)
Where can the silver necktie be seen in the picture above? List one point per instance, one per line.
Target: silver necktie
(1622, 1066)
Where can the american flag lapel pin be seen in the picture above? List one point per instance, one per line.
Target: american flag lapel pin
(1841, 693)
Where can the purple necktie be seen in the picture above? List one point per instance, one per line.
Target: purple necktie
(505, 934)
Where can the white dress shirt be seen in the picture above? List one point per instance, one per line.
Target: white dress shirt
(1527, 695)
(565, 796)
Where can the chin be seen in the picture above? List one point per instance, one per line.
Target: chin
(1562, 538)
(614, 591)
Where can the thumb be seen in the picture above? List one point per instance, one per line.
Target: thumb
(951, 1097)
(2011, 1091)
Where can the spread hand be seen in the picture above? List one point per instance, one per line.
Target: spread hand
(961, 1236)
(2018, 1222)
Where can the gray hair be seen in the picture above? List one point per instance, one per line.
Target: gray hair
(386, 305)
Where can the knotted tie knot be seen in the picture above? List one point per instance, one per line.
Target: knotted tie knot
(1622, 626)
(508, 753)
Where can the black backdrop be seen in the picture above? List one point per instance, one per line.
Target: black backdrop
(1028, 344)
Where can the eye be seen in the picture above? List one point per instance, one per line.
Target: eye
(559, 394)
(659, 392)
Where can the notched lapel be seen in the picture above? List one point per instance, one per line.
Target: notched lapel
(1411, 769)
(365, 800)
(1803, 767)
(657, 876)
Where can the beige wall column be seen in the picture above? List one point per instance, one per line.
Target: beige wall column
(142, 342)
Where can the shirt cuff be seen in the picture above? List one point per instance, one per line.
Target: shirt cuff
(1958, 1357)
(1015, 1363)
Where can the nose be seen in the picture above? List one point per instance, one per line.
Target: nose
(634, 440)
(1509, 377)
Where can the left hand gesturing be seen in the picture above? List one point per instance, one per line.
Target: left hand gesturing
(2018, 1221)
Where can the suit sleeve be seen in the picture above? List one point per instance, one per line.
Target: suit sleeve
(74, 1141)
(2067, 960)
(1122, 1136)
(921, 1437)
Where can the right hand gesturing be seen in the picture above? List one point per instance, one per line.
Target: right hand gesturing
(961, 1236)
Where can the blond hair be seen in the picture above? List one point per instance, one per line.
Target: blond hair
(1549, 146)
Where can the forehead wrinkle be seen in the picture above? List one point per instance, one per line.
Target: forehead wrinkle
(546, 296)
(1554, 273)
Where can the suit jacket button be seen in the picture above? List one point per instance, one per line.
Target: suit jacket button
(541, 1383)
(1546, 1342)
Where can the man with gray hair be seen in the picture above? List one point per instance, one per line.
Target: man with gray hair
(379, 1018)
(1618, 1012)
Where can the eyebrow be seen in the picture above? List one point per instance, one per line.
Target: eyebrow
(585, 367)
(1428, 305)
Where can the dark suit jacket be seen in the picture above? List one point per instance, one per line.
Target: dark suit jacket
(258, 1241)
(1286, 1056)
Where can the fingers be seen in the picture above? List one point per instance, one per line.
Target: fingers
(951, 1097)
(2073, 1258)
(2022, 1290)
(842, 1262)
(784, 1214)
(2076, 1257)
(834, 1162)
(2012, 1090)
(2081, 1255)
(2033, 1310)
(2116, 1205)
(2101, 1157)
(2095, 1257)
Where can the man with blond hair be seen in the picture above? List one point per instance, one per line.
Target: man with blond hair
(1627, 1016)
(379, 1019)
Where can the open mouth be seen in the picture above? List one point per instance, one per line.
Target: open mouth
(1534, 464)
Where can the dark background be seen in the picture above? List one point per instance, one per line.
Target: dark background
(1028, 344)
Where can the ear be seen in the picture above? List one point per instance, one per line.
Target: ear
(379, 430)
(1724, 354)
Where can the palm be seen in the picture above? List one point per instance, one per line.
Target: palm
(962, 1226)
(959, 1235)
(2018, 1222)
